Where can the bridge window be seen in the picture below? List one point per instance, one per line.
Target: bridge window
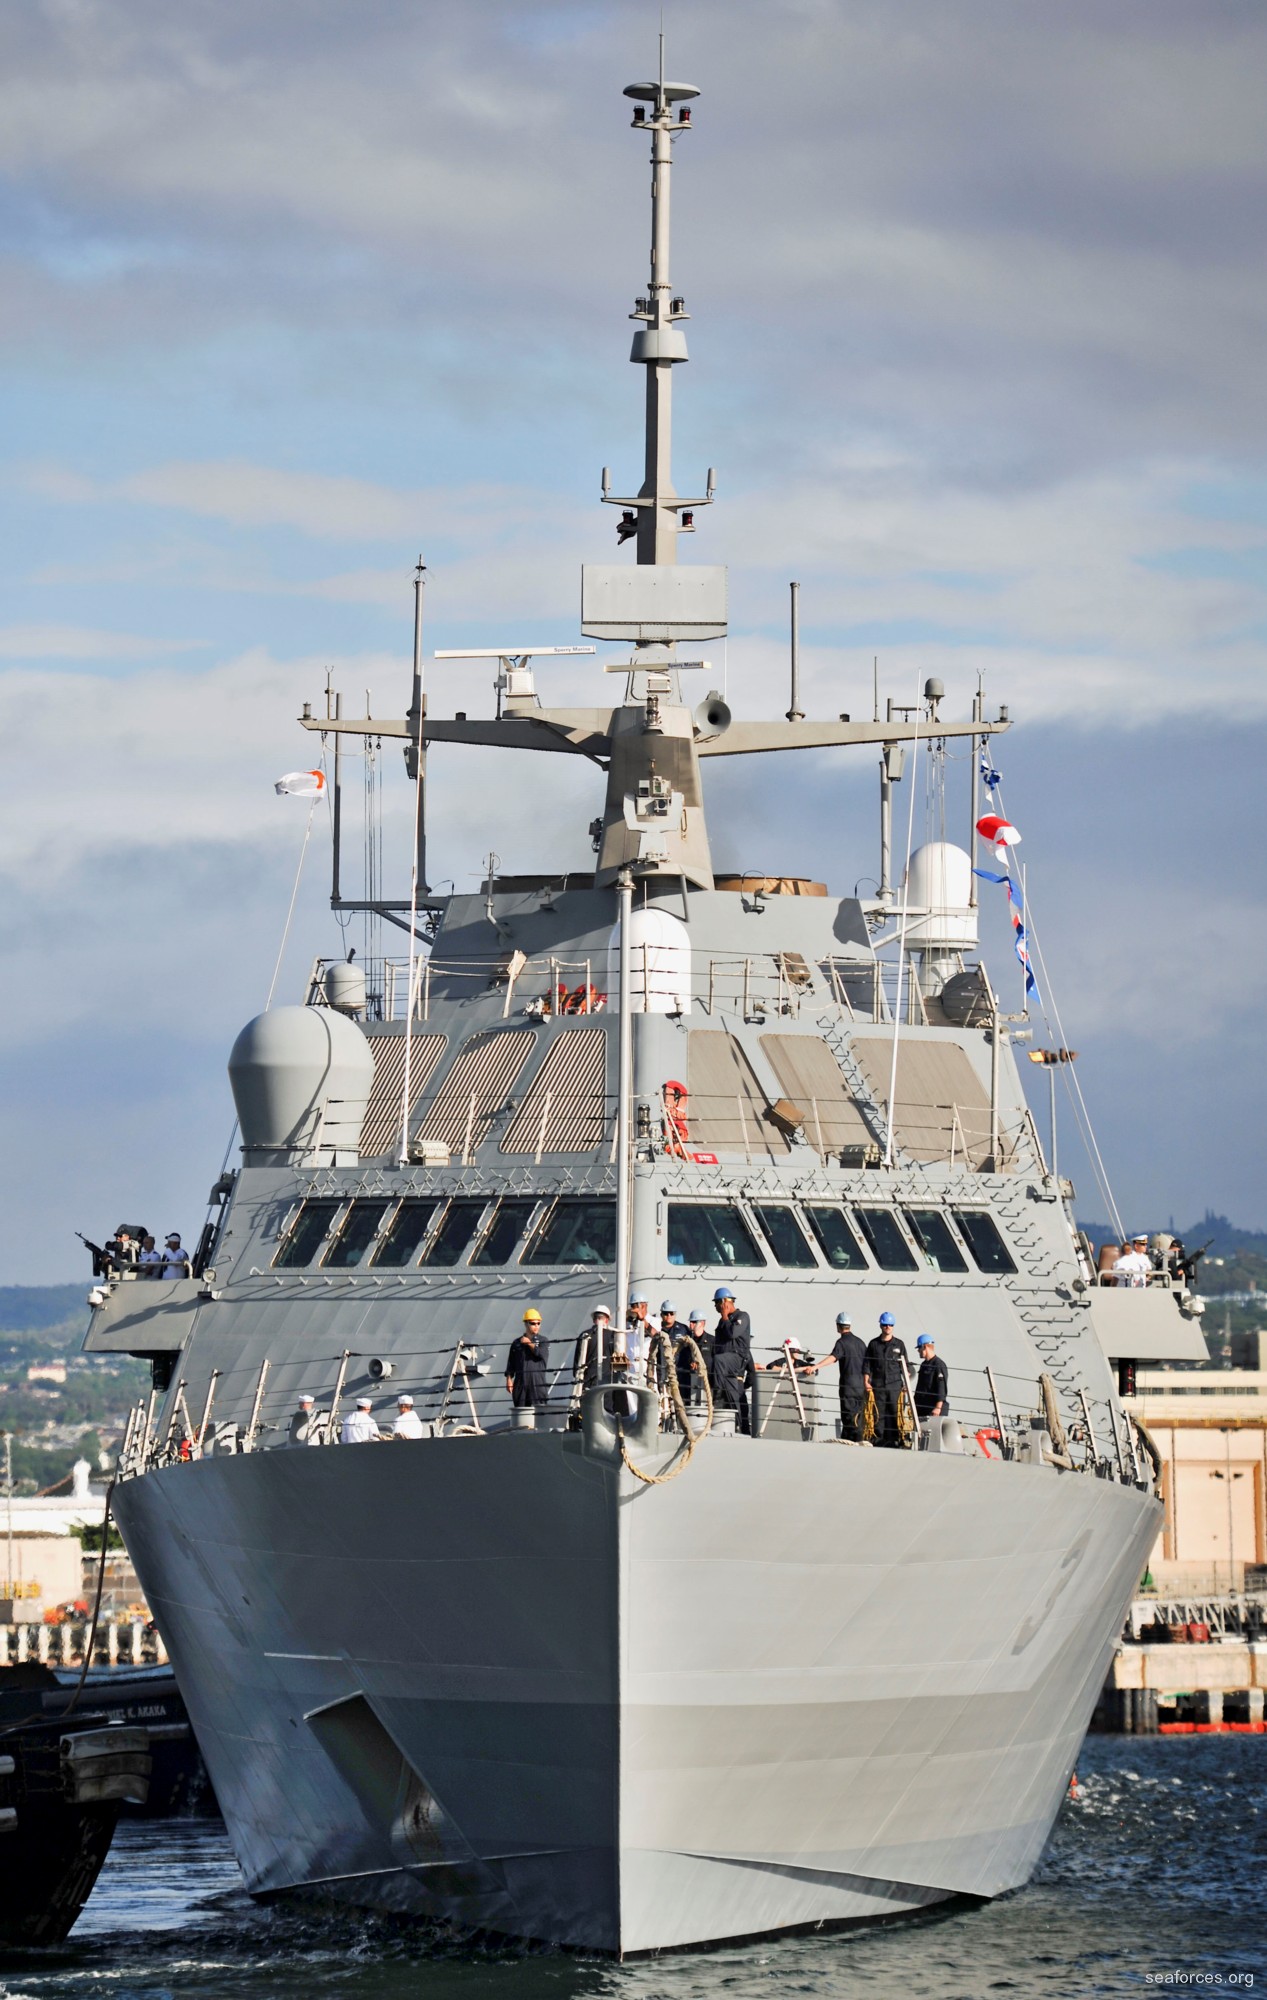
(784, 1235)
(883, 1232)
(575, 1232)
(710, 1233)
(836, 1239)
(360, 1226)
(402, 1239)
(507, 1226)
(989, 1252)
(932, 1232)
(307, 1233)
(457, 1227)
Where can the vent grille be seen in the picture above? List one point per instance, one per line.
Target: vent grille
(381, 1127)
(573, 1077)
(477, 1088)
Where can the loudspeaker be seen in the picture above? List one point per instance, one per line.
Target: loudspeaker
(712, 717)
(378, 1370)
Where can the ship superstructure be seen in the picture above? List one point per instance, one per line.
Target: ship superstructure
(618, 1672)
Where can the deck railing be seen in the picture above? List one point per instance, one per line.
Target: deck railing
(993, 1414)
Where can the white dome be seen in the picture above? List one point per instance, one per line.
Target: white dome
(939, 882)
(660, 963)
(301, 1080)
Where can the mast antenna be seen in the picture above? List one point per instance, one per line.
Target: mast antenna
(656, 515)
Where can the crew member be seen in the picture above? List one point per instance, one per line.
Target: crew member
(690, 1378)
(592, 1350)
(526, 1365)
(1134, 1267)
(175, 1258)
(151, 1259)
(359, 1426)
(303, 1424)
(732, 1364)
(406, 1423)
(850, 1356)
(887, 1361)
(932, 1384)
(639, 1327)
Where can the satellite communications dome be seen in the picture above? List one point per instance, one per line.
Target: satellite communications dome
(301, 1080)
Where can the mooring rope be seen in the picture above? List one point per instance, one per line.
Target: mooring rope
(690, 1437)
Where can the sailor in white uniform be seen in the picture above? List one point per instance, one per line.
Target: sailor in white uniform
(359, 1426)
(407, 1424)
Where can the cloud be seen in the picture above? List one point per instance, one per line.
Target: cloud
(76, 642)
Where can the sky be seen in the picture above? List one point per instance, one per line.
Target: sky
(292, 293)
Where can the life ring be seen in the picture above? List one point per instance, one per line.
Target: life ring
(984, 1448)
(677, 1128)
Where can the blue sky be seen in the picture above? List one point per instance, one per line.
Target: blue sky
(292, 293)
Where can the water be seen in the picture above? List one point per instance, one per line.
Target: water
(1154, 1870)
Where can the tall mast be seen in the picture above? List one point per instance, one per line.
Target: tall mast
(659, 342)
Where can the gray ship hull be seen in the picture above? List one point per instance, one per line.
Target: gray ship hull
(497, 1681)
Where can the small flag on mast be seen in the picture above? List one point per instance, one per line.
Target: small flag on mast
(301, 784)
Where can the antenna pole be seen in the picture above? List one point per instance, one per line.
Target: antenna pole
(796, 713)
(659, 342)
(416, 754)
(624, 1096)
(974, 760)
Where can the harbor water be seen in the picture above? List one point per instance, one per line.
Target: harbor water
(1152, 1881)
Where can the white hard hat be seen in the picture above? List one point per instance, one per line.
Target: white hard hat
(596, 1310)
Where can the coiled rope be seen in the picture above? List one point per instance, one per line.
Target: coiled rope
(690, 1437)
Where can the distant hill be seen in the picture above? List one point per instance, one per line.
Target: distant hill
(31, 1308)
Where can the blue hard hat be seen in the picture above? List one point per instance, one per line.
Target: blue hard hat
(843, 1319)
(722, 1292)
(638, 1299)
(925, 1340)
(698, 1315)
(886, 1319)
(667, 1306)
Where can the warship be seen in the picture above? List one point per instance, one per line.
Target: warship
(623, 1665)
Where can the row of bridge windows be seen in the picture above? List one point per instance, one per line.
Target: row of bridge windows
(437, 1233)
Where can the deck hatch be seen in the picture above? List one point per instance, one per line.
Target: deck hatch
(566, 1108)
(380, 1129)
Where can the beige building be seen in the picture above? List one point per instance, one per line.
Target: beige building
(37, 1571)
(1210, 1430)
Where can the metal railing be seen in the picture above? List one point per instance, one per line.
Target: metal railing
(461, 1392)
(755, 986)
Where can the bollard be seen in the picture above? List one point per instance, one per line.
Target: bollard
(137, 1655)
(4, 1645)
(42, 1637)
(63, 1640)
(24, 1644)
(112, 1643)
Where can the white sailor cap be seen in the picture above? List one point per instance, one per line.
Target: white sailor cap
(365, 1402)
(306, 1398)
(405, 1399)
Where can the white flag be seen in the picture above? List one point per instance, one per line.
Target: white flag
(302, 784)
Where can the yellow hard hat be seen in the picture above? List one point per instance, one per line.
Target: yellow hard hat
(532, 1313)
